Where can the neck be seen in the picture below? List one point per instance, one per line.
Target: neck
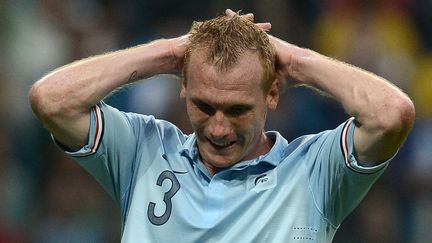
(263, 146)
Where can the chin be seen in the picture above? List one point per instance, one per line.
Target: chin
(222, 162)
(220, 159)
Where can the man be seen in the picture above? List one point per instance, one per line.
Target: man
(229, 181)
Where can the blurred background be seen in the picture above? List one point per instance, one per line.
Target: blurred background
(47, 197)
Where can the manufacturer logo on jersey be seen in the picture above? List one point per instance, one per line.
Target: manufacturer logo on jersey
(264, 181)
(261, 179)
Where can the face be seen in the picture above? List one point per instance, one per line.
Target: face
(228, 109)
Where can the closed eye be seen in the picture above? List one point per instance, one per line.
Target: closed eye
(238, 110)
(206, 108)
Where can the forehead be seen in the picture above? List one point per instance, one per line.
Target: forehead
(239, 83)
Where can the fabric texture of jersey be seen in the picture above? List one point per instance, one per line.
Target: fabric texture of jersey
(298, 192)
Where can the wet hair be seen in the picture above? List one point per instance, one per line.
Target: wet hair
(225, 39)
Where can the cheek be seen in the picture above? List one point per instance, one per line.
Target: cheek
(247, 126)
(257, 124)
(261, 117)
(196, 118)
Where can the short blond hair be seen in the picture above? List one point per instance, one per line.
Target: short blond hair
(227, 38)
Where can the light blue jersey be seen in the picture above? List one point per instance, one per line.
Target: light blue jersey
(298, 192)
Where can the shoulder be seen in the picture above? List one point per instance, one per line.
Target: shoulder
(312, 143)
(144, 128)
(110, 114)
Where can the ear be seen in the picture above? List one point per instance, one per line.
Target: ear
(183, 89)
(273, 95)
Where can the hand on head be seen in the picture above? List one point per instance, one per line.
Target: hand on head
(178, 48)
(284, 51)
(178, 45)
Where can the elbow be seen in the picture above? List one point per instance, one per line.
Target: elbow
(36, 99)
(44, 100)
(400, 117)
(408, 114)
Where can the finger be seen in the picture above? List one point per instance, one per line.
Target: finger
(264, 26)
(249, 16)
(229, 12)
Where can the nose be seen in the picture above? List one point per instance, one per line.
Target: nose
(219, 127)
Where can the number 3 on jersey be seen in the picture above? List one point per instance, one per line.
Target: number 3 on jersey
(175, 186)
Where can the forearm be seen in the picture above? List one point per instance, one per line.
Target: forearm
(363, 95)
(384, 114)
(62, 99)
(78, 86)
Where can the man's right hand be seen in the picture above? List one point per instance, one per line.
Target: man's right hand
(178, 48)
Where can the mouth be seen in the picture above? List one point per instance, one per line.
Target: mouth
(221, 145)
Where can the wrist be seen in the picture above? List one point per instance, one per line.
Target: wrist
(301, 64)
(151, 59)
(290, 59)
(177, 48)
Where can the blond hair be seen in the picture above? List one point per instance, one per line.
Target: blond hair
(227, 38)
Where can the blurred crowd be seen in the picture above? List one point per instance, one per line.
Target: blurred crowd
(46, 197)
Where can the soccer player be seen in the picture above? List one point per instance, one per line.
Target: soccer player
(229, 181)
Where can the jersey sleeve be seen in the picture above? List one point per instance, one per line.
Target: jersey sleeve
(337, 181)
(110, 154)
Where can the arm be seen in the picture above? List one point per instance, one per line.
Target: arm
(62, 99)
(384, 115)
